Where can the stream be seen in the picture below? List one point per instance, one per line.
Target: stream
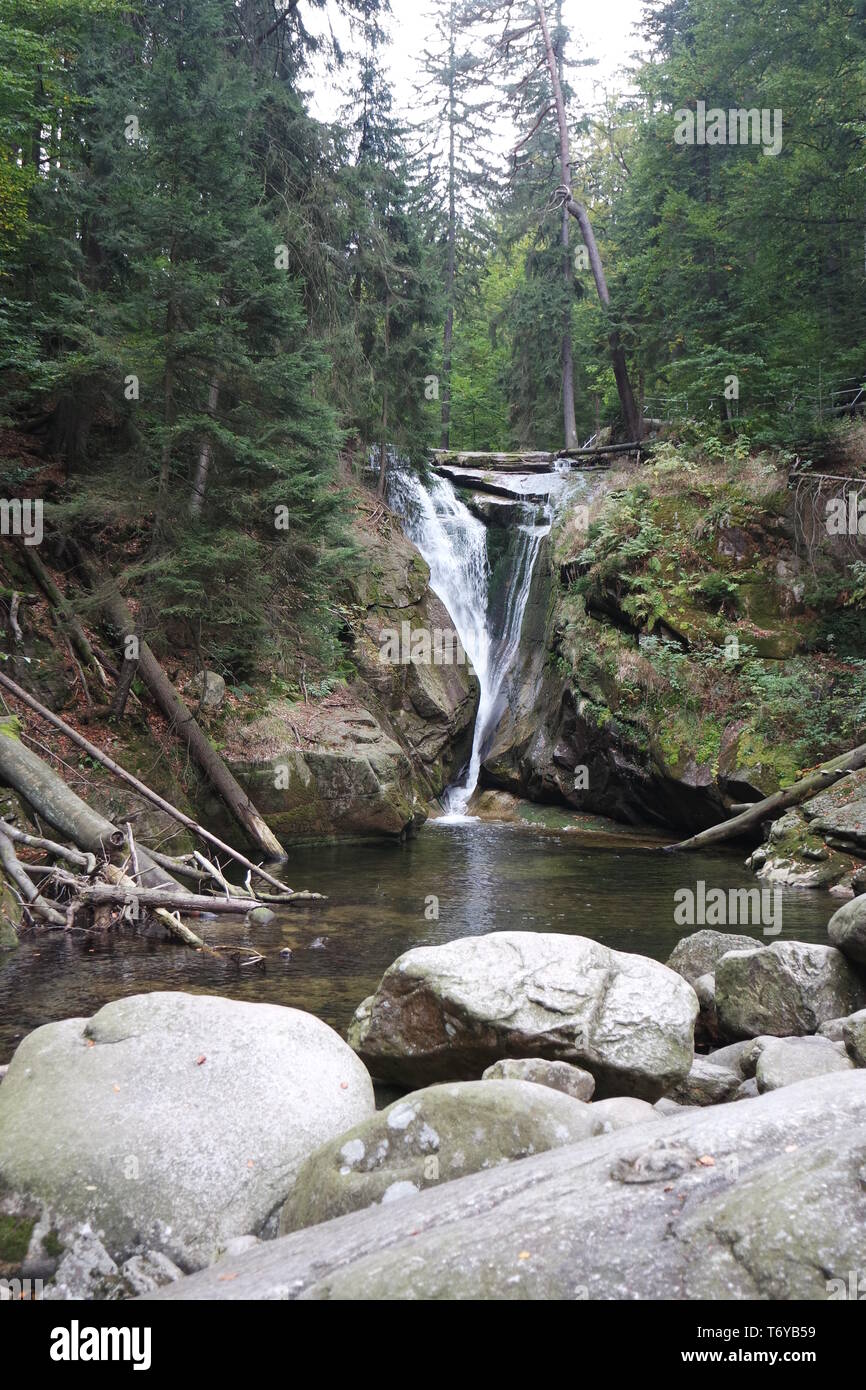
(486, 878)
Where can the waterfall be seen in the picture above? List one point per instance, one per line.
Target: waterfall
(454, 544)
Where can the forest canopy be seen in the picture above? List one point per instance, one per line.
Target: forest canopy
(216, 308)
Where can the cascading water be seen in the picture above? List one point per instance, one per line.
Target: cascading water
(454, 544)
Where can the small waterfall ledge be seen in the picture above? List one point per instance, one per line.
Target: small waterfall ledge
(454, 544)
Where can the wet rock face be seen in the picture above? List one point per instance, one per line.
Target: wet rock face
(365, 760)
(174, 1122)
(427, 704)
(334, 772)
(448, 1012)
(759, 1199)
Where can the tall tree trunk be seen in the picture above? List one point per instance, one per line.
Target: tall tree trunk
(167, 407)
(569, 422)
(205, 455)
(577, 210)
(451, 270)
(383, 447)
(567, 345)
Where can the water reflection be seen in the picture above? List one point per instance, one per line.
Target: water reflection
(485, 878)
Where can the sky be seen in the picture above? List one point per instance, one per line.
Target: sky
(605, 28)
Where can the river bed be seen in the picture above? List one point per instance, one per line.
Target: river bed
(383, 900)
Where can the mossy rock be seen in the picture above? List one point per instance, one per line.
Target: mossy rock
(15, 1232)
(10, 916)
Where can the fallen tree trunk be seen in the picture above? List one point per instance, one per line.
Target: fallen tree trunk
(795, 795)
(87, 862)
(50, 797)
(183, 723)
(77, 635)
(169, 921)
(163, 897)
(48, 794)
(58, 787)
(30, 894)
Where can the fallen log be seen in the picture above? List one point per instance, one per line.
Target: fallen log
(178, 866)
(169, 920)
(153, 797)
(68, 619)
(87, 862)
(182, 721)
(163, 897)
(771, 806)
(33, 899)
(48, 794)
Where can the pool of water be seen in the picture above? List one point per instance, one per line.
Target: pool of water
(453, 881)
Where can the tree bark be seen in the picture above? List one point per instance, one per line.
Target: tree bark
(180, 718)
(69, 621)
(123, 687)
(451, 269)
(569, 422)
(163, 897)
(31, 895)
(780, 801)
(631, 414)
(383, 448)
(205, 456)
(578, 211)
(48, 794)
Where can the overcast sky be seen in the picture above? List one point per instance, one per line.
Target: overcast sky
(603, 30)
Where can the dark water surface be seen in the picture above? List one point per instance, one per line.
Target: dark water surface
(485, 877)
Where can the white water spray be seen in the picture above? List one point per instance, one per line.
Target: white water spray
(454, 544)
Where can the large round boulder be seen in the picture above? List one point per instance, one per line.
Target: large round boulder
(449, 1012)
(173, 1121)
(700, 953)
(432, 1137)
(848, 929)
(560, 1076)
(785, 1061)
(789, 988)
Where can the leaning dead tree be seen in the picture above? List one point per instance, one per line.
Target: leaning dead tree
(184, 724)
(169, 700)
(538, 27)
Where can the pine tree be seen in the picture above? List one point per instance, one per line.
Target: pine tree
(458, 170)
